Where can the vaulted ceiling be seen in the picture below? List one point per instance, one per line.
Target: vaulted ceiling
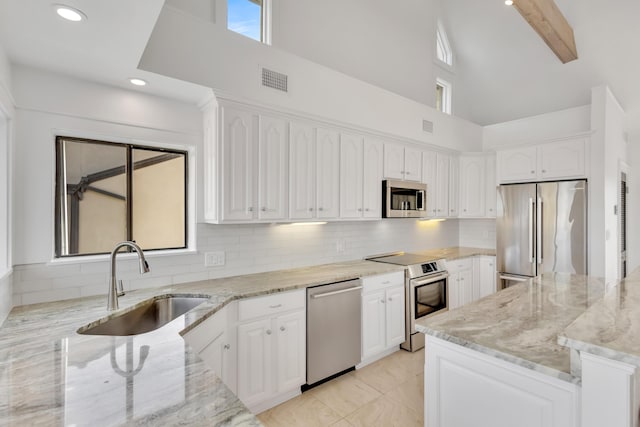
(504, 70)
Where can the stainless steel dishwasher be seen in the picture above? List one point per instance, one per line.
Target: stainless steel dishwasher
(333, 330)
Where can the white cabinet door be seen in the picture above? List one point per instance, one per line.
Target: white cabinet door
(487, 276)
(290, 350)
(254, 361)
(239, 142)
(472, 177)
(393, 161)
(454, 187)
(212, 354)
(562, 160)
(373, 323)
(442, 182)
(453, 288)
(430, 178)
(328, 173)
(372, 180)
(272, 168)
(302, 171)
(412, 164)
(395, 316)
(491, 200)
(466, 286)
(351, 174)
(518, 164)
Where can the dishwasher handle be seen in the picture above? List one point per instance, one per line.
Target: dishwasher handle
(341, 291)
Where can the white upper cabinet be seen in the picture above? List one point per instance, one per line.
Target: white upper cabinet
(239, 149)
(372, 179)
(430, 178)
(272, 168)
(472, 186)
(328, 173)
(562, 160)
(351, 175)
(454, 187)
(302, 171)
(556, 160)
(442, 185)
(490, 186)
(440, 173)
(402, 162)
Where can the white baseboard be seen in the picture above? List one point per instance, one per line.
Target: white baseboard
(377, 357)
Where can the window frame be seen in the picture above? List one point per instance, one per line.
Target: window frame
(443, 40)
(446, 95)
(59, 140)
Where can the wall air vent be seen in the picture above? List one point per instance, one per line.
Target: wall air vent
(275, 80)
(427, 126)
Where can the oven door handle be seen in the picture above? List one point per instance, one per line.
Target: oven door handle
(430, 279)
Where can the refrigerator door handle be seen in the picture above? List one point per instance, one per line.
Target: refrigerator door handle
(532, 236)
(539, 227)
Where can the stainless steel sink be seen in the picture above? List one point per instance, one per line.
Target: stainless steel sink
(146, 318)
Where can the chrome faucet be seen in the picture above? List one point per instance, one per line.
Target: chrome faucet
(112, 299)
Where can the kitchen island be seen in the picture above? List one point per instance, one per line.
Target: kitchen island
(560, 350)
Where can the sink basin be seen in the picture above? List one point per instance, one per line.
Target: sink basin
(146, 318)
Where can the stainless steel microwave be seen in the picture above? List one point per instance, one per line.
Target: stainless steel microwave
(403, 199)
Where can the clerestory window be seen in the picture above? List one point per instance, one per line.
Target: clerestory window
(443, 48)
(251, 18)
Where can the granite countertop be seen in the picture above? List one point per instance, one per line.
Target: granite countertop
(521, 324)
(50, 375)
(452, 253)
(611, 327)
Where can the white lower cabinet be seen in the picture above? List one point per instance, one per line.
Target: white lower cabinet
(383, 319)
(470, 279)
(271, 349)
(215, 342)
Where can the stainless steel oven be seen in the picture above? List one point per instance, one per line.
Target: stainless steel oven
(426, 291)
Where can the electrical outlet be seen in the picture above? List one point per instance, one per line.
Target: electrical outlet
(340, 246)
(214, 259)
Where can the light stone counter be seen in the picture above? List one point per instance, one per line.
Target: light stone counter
(456, 252)
(611, 327)
(521, 324)
(50, 375)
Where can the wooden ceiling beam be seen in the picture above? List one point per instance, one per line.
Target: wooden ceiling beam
(548, 21)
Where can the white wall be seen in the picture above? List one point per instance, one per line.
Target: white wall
(48, 104)
(388, 44)
(633, 205)
(477, 233)
(6, 143)
(608, 150)
(539, 128)
(196, 50)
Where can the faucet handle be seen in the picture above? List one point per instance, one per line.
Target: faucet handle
(120, 288)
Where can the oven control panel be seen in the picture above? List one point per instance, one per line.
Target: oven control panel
(430, 267)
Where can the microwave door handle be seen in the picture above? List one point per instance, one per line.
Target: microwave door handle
(422, 198)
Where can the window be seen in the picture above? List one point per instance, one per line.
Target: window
(443, 48)
(250, 18)
(5, 257)
(443, 96)
(108, 192)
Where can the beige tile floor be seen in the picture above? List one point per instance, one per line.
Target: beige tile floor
(386, 393)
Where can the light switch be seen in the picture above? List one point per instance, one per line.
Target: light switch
(214, 259)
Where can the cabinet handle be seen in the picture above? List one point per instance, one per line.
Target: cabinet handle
(366, 210)
(263, 209)
(464, 210)
(275, 306)
(359, 209)
(407, 173)
(282, 328)
(390, 298)
(268, 331)
(533, 172)
(250, 209)
(227, 346)
(320, 209)
(382, 300)
(310, 209)
(544, 171)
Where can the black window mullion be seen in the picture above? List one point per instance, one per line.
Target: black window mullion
(129, 193)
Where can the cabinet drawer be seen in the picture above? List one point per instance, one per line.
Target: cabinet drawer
(456, 265)
(374, 283)
(253, 308)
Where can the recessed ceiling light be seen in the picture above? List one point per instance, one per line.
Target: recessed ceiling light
(508, 2)
(69, 13)
(138, 82)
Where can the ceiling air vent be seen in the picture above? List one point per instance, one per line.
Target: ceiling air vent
(274, 80)
(427, 126)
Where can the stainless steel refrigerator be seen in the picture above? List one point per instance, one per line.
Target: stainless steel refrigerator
(541, 227)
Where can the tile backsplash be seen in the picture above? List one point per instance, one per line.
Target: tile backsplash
(250, 248)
